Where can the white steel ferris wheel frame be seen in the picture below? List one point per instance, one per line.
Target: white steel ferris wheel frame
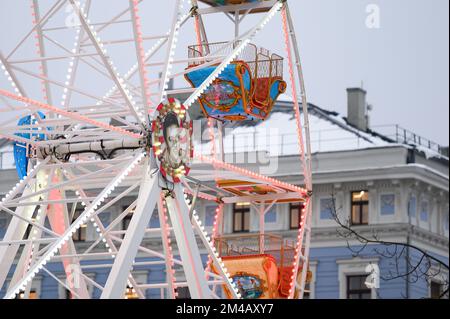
(54, 186)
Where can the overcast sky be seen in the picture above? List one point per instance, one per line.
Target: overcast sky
(403, 64)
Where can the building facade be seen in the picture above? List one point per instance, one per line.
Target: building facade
(378, 184)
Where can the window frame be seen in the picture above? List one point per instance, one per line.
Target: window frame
(292, 206)
(424, 216)
(412, 198)
(333, 204)
(126, 220)
(360, 292)
(353, 267)
(243, 210)
(82, 230)
(361, 205)
(183, 293)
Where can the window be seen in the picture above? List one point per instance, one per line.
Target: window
(33, 295)
(48, 226)
(326, 208)
(436, 290)
(126, 221)
(241, 218)
(271, 215)
(360, 208)
(80, 234)
(307, 292)
(412, 206)
(295, 213)
(210, 215)
(357, 289)
(105, 218)
(183, 293)
(387, 204)
(424, 211)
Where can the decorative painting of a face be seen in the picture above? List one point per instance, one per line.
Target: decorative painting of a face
(172, 140)
(178, 142)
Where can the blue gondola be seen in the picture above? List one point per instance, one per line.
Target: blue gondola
(21, 150)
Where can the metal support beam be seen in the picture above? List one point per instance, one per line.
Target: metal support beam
(108, 64)
(187, 244)
(147, 199)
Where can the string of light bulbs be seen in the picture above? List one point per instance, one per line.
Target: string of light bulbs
(88, 212)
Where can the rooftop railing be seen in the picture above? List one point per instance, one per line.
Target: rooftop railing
(404, 136)
(277, 144)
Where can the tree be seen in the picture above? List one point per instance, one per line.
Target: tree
(426, 266)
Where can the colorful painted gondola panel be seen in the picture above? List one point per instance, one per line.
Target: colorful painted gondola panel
(21, 150)
(228, 97)
(246, 89)
(256, 276)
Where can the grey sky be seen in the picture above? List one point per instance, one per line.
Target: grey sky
(404, 64)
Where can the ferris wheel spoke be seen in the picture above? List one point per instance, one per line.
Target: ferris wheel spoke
(41, 50)
(43, 20)
(103, 232)
(62, 283)
(119, 82)
(91, 150)
(59, 220)
(63, 85)
(87, 213)
(74, 116)
(22, 219)
(173, 39)
(188, 249)
(74, 64)
(108, 23)
(140, 54)
(217, 261)
(147, 199)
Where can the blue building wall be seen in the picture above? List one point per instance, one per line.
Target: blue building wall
(50, 287)
(327, 284)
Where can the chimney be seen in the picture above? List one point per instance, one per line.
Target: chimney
(357, 108)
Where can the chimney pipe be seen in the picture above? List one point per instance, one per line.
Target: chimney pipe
(357, 111)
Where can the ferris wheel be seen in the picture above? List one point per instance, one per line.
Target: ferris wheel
(93, 119)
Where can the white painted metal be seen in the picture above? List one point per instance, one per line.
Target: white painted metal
(148, 197)
(100, 124)
(187, 244)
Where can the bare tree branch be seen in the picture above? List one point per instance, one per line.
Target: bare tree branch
(396, 252)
